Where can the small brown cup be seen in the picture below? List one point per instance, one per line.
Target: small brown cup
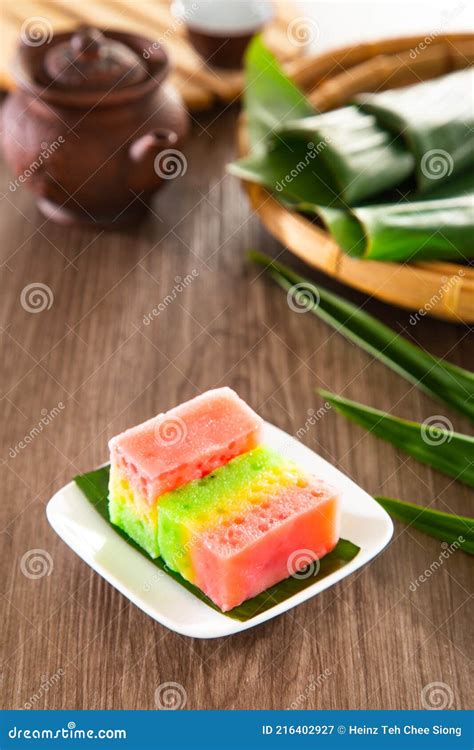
(220, 30)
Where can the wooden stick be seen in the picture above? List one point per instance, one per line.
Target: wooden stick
(380, 73)
(309, 72)
(461, 53)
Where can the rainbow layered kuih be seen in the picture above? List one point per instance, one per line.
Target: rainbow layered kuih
(234, 520)
(174, 448)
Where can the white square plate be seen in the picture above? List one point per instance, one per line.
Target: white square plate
(363, 522)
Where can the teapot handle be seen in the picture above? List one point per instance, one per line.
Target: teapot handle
(144, 153)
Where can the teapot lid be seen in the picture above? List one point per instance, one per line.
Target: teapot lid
(90, 61)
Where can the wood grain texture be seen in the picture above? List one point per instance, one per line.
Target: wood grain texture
(377, 642)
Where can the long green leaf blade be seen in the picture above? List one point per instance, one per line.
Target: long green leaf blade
(448, 527)
(270, 97)
(445, 450)
(445, 382)
(94, 486)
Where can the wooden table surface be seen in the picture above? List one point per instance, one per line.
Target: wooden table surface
(68, 639)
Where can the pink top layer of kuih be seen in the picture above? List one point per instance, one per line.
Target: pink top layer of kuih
(186, 442)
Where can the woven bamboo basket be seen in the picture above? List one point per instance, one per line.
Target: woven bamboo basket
(443, 290)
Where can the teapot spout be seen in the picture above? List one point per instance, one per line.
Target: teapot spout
(147, 169)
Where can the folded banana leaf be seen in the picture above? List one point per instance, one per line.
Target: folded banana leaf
(447, 451)
(361, 158)
(446, 382)
(457, 531)
(440, 228)
(270, 97)
(318, 164)
(436, 120)
(289, 170)
(415, 231)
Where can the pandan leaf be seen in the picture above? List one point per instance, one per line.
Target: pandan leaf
(450, 528)
(445, 450)
(436, 120)
(446, 382)
(94, 486)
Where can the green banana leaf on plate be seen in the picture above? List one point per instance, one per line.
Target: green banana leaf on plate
(94, 486)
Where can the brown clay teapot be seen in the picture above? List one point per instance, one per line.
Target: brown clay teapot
(92, 129)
